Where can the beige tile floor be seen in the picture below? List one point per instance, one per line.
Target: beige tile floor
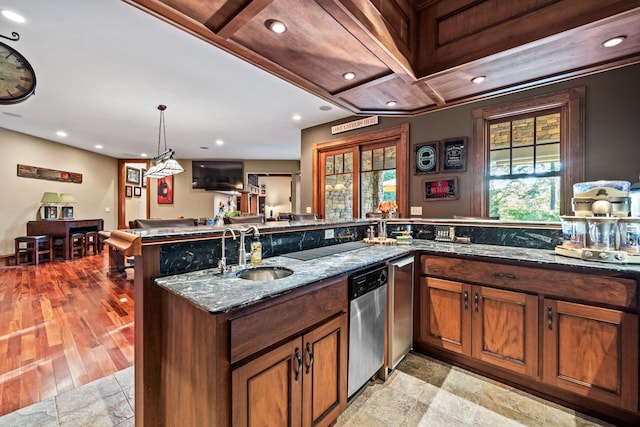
(421, 392)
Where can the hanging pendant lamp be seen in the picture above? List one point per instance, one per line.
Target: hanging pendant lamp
(163, 164)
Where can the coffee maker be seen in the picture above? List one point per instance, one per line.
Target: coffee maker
(601, 228)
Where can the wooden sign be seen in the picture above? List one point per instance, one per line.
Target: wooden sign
(49, 174)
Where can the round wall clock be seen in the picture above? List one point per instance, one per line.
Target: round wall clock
(17, 78)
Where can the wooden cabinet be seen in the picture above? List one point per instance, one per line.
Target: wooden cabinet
(592, 351)
(573, 335)
(300, 383)
(496, 326)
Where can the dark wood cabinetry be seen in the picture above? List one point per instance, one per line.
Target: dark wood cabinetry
(571, 335)
(299, 383)
(496, 326)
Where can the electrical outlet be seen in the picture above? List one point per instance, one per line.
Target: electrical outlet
(330, 233)
(416, 210)
(308, 209)
(107, 209)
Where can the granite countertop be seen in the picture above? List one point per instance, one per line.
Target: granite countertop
(217, 293)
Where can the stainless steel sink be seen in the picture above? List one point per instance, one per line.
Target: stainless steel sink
(265, 273)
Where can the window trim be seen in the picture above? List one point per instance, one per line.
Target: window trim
(571, 105)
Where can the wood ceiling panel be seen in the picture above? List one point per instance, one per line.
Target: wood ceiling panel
(217, 11)
(374, 96)
(315, 46)
(564, 55)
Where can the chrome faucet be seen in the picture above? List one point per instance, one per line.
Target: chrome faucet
(222, 263)
(242, 255)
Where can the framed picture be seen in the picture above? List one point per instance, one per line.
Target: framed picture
(137, 191)
(133, 175)
(165, 190)
(426, 158)
(144, 178)
(263, 189)
(454, 154)
(440, 189)
(128, 191)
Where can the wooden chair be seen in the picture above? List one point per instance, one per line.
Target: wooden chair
(33, 247)
(91, 241)
(77, 245)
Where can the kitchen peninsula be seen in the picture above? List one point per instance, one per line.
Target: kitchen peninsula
(199, 335)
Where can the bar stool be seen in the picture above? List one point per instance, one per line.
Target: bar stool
(76, 244)
(91, 241)
(34, 246)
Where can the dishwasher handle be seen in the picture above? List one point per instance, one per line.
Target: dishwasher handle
(402, 262)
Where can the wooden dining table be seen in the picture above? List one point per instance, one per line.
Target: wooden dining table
(63, 228)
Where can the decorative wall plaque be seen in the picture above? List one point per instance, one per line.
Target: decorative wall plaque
(440, 189)
(48, 174)
(426, 157)
(454, 152)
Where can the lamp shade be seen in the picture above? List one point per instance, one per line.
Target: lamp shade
(49, 198)
(67, 199)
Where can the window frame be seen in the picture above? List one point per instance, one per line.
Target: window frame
(571, 105)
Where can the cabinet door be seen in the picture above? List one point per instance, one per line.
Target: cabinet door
(325, 373)
(445, 317)
(268, 390)
(592, 351)
(505, 329)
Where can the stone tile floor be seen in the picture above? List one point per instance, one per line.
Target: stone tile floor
(421, 392)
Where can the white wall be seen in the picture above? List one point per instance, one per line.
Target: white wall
(21, 196)
(278, 194)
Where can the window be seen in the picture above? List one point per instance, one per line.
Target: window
(353, 175)
(527, 156)
(524, 167)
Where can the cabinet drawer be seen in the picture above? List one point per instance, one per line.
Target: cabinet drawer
(255, 329)
(602, 289)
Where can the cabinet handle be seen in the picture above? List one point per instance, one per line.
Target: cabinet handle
(299, 360)
(475, 301)
(505, 275)
(466, 300)
(550, 318)
(310, 353)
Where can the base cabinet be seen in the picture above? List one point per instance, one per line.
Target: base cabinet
(300, 383)
(573, 336)
(496, 326)
(592, 351)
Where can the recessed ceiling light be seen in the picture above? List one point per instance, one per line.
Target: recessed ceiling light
(478, 79)
(296, 117)
(276, 26)
(204, 148)
(98, 146)
(325, 108)
(61, 133)
(13, 16)
(615, 41)
(391, 103)
(143, 155)
(219, 142)
(349, 76)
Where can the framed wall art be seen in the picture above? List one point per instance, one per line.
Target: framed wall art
(144, 178)
(165, 190)
(440, 189)
(128, 191)
(426, 157)
(137, 191)
(454, 154)
(133, 175)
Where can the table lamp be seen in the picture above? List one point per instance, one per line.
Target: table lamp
(49, 208)
(66, 211)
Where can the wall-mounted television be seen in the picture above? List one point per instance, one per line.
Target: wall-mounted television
(217, 175)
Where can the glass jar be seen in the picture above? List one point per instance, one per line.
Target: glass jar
(573, 231)
(629, 231)
(602, 232)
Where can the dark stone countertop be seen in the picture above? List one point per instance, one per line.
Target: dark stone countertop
(218, 293)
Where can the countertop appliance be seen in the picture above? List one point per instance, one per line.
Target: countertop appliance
(367, 322)
(400, 316)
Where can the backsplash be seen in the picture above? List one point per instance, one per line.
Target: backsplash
(194, 255)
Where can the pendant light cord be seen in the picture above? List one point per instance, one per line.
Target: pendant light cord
(161, 128)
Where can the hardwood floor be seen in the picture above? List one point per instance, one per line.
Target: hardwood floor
(62, 325)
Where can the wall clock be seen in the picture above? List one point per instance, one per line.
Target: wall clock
(17, 78)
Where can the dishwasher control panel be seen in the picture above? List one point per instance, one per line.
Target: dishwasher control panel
(367, 281)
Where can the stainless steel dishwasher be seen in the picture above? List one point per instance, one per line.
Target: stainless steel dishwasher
(367, 322)
(400, 307)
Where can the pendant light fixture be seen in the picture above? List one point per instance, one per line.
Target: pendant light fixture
(164, 163)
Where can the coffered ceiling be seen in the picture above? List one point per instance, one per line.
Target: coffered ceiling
(420, 55)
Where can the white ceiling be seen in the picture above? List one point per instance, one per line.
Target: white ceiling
(103, 67)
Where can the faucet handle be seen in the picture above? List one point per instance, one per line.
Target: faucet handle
(222, 265)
